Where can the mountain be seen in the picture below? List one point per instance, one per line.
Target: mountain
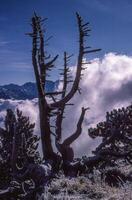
(25, 91)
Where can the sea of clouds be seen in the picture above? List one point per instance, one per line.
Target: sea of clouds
(106, 84)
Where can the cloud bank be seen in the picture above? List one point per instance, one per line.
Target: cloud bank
(106, 84)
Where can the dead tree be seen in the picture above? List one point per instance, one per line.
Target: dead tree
(64, 148)
(42, 64)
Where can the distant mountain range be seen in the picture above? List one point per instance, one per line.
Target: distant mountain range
(25, 91)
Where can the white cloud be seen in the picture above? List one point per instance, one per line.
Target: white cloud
(106, 84)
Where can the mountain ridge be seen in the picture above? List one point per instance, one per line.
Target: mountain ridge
(25, 91)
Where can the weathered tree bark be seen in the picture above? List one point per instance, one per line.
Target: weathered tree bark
(45, 131)
(61, 109)
(41, 67)
(83, 32)
(64, 148)
(40, 74)
(77, 133)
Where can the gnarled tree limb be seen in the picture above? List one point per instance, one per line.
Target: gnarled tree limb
(77, 133)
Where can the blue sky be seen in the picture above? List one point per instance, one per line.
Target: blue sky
(110, 20)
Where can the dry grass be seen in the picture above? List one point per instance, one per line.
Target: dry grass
(87, 189)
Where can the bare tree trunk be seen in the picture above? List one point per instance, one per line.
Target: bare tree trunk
(43, 106)
(41, 67)
(45, 130)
